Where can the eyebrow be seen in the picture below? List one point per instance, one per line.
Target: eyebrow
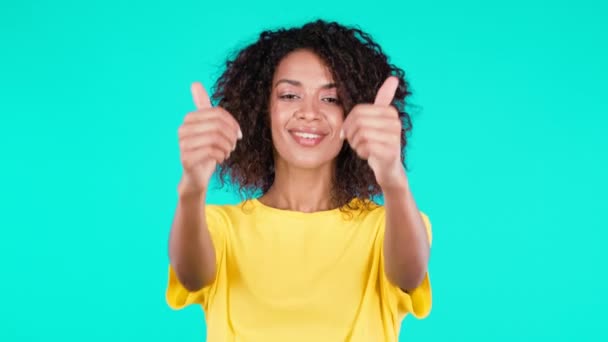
(299, 84)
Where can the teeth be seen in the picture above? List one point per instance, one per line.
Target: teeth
(307, 135)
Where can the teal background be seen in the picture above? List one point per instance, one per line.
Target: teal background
(507, 157)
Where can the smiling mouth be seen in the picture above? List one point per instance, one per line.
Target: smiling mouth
(307, 139)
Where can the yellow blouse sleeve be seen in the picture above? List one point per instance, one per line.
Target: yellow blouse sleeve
(418, 301)
(177, 296)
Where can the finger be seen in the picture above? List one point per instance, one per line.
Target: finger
(378, 150)
(220, 113)
(200, 96)
(215, 124)
(387, 125)
(348, 122)
(353, 116)
(374, 136)
(386, 93)
(195, 157)
(215, 140)
(372, 115)
(230, 120)
(379, 153)
(363, 151)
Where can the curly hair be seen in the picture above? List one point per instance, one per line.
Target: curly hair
(358, 66)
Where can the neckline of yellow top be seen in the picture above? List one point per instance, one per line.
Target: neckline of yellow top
(258, 204)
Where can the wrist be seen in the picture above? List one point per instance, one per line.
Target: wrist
(187, 190)
(396, 181)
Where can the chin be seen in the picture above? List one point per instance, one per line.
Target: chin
(308, 163)
(303, 159)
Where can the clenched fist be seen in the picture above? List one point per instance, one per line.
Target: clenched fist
(374, 133)
(206, 138)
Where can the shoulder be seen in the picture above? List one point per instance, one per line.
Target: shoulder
(228, 214)
(375, 213)
(362, 212)
(366, 208)
(245, 207)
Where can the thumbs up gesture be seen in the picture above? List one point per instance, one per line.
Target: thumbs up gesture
(207, 136)
(374, 133)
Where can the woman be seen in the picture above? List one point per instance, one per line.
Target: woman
(313, 119)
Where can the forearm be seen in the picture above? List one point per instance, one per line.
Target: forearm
(406, 245)
(191, 250)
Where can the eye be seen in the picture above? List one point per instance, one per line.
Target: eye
(289, 97)
(334, 100)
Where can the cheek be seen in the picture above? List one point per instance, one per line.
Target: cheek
(336, 119)
(281, 114)
(274, 114)
(278, 120)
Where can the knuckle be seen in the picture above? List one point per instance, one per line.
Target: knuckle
(221, 111)
(217, 112)
(226, 148)
(191, 116)
(363, 136)
(219, 156)
(213, 125)
(356, 109)
(205, 151)
(186, 162)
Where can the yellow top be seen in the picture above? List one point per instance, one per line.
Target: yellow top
(292, 276)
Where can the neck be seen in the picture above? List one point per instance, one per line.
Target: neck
(303, 190)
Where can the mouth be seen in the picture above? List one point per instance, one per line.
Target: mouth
(307, 139)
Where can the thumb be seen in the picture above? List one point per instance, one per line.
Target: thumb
(200, 96)
(386, 93)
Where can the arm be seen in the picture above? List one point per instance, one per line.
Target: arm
(206, 138)
(375, 132)
(406, 245)
(191, 250)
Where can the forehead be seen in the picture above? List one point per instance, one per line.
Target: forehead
(303, 65)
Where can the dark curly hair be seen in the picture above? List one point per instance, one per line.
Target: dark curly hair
(359, 67)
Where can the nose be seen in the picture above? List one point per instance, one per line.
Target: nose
(308, 111)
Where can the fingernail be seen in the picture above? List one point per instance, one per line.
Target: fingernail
(239, 134)
(341, 134)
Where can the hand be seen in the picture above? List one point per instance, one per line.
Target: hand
(374, 133)
(206, 138)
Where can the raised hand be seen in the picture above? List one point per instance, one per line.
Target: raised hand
(206, 138)
(374, 133)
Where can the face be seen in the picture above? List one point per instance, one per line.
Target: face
(305, 112)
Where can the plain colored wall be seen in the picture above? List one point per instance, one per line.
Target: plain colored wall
(507, 158)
